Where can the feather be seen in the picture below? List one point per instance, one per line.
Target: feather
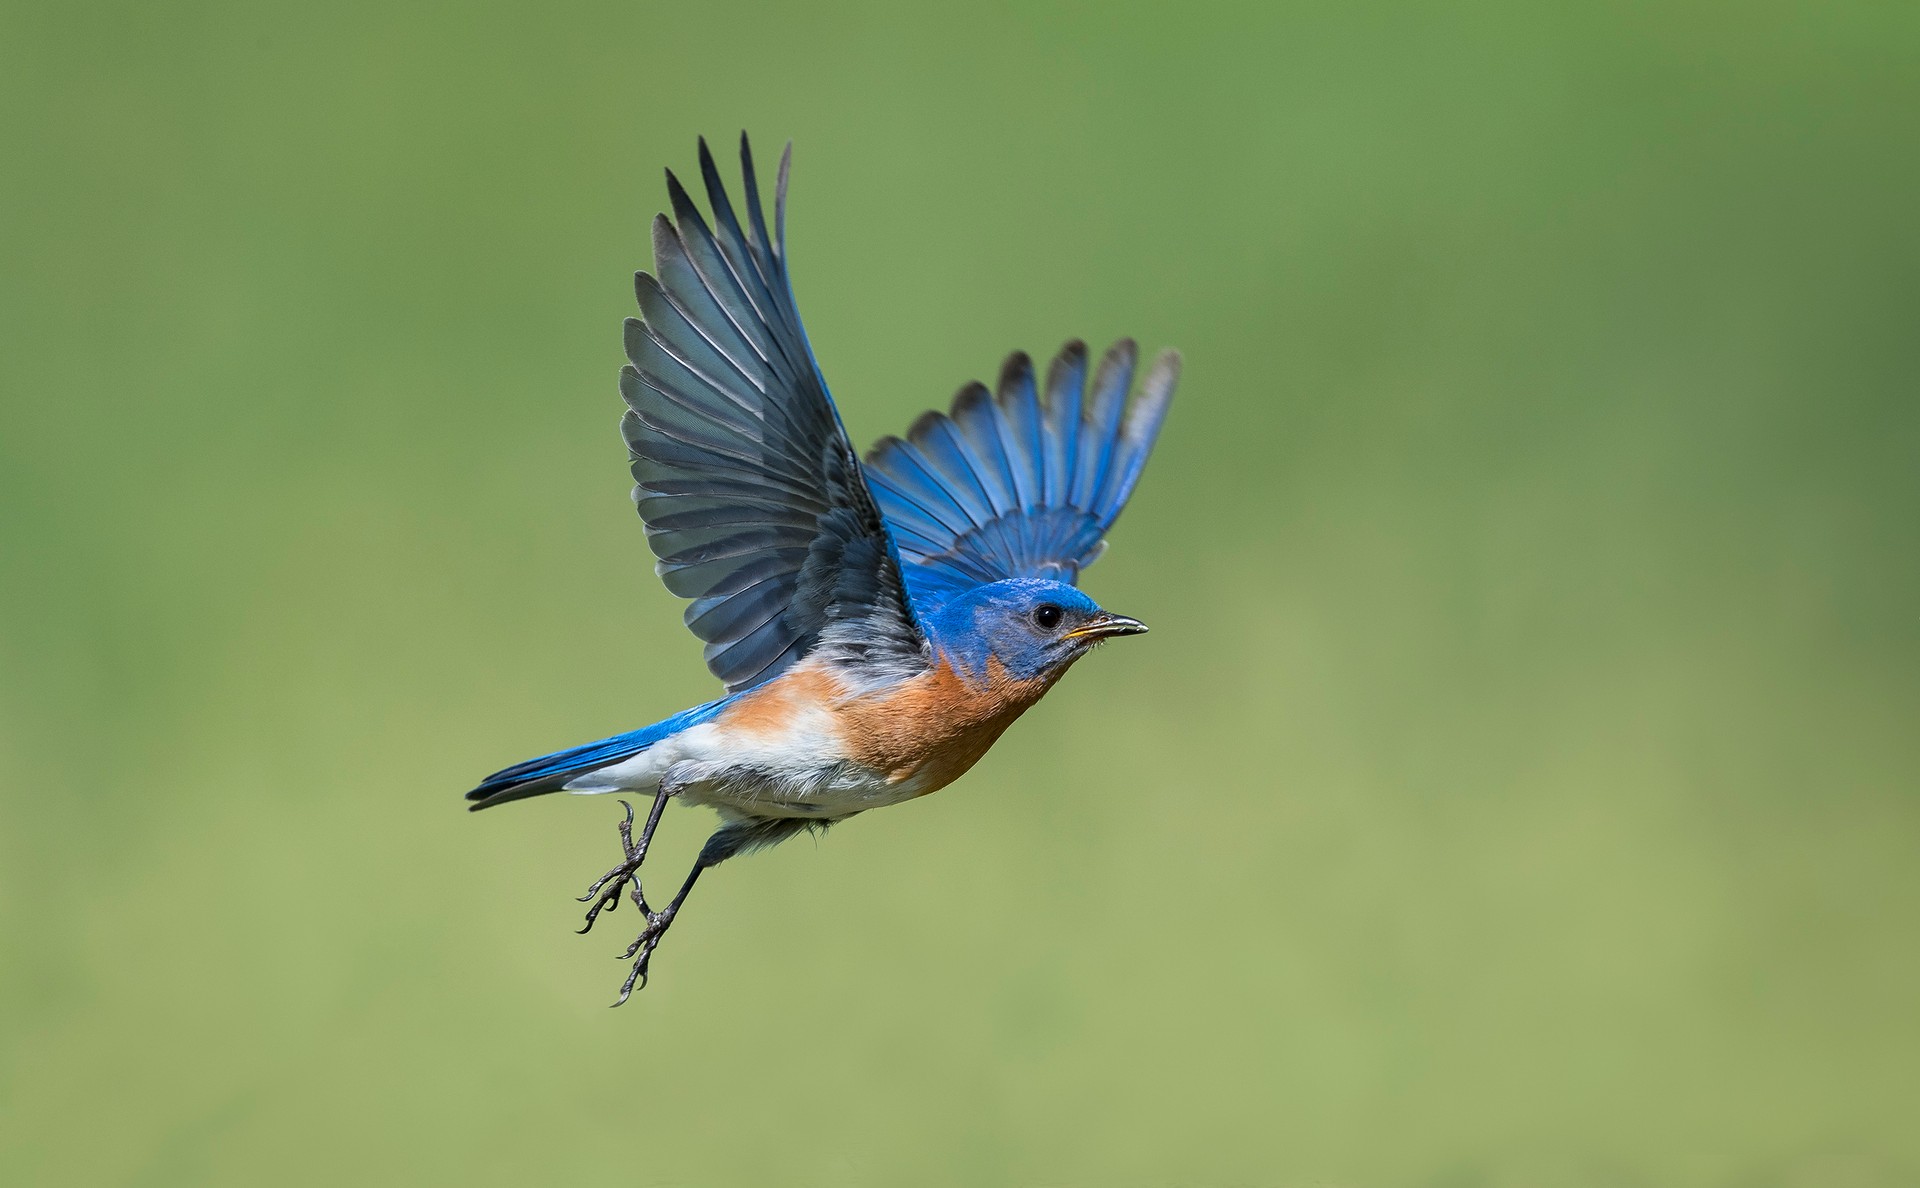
(939, 446)
(1009, 485)
(1066, 381)
(1100, 422)
(754, 502)
(978, 434)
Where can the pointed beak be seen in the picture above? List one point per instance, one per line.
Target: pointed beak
(1105, 626)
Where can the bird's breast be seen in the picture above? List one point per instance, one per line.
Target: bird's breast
(927, 731)
(812, 737)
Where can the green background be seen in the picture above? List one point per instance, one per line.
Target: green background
(1518, 786)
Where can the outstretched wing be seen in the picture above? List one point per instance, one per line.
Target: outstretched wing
(1009, 485)
(753, 498)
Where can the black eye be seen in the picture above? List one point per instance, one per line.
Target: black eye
(1046, 617)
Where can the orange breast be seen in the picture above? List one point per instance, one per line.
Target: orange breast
(932, 728)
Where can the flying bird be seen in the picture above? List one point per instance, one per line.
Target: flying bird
(877, 624)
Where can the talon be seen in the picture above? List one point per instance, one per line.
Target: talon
(606, 892)
(642, 948)
(623, 882)
(636, 979)
(605, 901)
(626, 988)
(626, 834)
(622, 872)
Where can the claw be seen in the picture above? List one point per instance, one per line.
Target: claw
(607, 901)
(626, 831)
(605, 897)
(626, 987)
(643, 945)
(593, 892)
(623, 881)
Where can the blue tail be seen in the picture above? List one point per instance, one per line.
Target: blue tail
(549, 773)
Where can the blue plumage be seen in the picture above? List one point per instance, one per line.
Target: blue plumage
(1007, 486)
(995, 622)
(751, 494)
(548, 773)
(877, 625)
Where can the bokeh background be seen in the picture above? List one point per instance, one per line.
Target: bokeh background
(1518, 787)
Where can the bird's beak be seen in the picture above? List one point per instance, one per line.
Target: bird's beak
(1104, 625)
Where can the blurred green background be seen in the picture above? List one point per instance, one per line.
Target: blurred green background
(1518, 787)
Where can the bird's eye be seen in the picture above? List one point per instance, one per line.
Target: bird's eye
(1046, 617)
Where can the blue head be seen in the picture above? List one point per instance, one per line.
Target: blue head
(1033, 627)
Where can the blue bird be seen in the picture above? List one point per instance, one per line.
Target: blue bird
(877, 624)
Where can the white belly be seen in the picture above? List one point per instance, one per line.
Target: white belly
(800, 772)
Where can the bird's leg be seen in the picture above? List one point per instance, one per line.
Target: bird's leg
(729, 840)
(606, 890)
(649, 938)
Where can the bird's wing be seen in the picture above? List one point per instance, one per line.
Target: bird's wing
(753, 498)
(1010, 485)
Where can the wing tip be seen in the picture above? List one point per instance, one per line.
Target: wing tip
(1149, 405)
(780, 198)
(663, 234)
(1164, 375)
(883, 449)
(1115, 373)
(1068, 369)
(924, 424)
(971, 396)
(684, 207)
(1016, 374)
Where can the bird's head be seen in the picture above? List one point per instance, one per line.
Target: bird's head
(1033, 627)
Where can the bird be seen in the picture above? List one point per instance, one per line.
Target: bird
(877, 622)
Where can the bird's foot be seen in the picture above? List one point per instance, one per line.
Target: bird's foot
(606, 891)
(641, 950)
(624, 880)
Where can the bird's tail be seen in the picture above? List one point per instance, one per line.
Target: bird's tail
(551, 773)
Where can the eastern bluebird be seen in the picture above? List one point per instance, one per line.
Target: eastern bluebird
(877, 625)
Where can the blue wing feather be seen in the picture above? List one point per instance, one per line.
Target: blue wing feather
(913, 477)
(1100, 424)
(1018, 403)
(979, 436)
(1009, 485)
(754, 501)
(1066, 381)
